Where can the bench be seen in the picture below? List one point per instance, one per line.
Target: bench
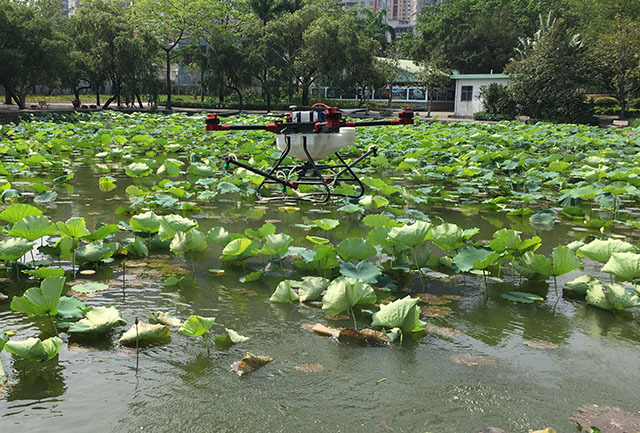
(620, 123)
(43, 105)
(524, 119)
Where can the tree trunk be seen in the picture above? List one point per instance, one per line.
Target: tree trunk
(98, 96)
(139, 100)
(168, 106)
(7, 94)
(20, 100)
(428, 102)
(390, 97)
(623, 106)
(109, 101)
(235, 89)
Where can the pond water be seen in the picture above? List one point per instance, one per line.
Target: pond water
(489, 362)
(419, 385)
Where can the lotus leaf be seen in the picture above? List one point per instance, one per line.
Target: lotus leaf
(95, 251)
(284, 293)
(147, 222)
(581, 284)
(71, 308)
(509, 241)
(377, 220)
(12, 249)
(236, 247)
(276, 244)
(33, 227)
(373, 202)
(10, 195)
(252, 276)
(225, 187)
(317, 240)
(172, 224)
(137, 248)
(18, 211)
(598, 298)
(102, 233)
(196, 326)
(326, 224)
(218, 235)
(138, 169)
(564, 261)
(410, 235)
(601, 250)
(165, 319)
(235, 337)
(33, 349)
(474, 258)
(170, 167)
(187, 242)
(544, 218)
(522, 297)
(89, 287)
(74, 228)
(364, 270)
(144, 333)
(262, 233)
(402, 313)
(355, 248)
(106, 183)
(533, 266)
(447, 237)
(622, 297)
(250, 363)
(625, 266)
(322, 257)
(311, 288)
(99, 320)
(40, 301)
(345, 293)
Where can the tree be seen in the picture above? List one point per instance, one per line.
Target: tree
(433, 74)
(548, 82)
(168, 21)
(617, 58)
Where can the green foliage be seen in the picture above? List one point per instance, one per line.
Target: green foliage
(196, 326)
(40, 301)
(284, 293)
(34, 349)
(498, 102)
(97, 321)
(402, 313)
(345, 293)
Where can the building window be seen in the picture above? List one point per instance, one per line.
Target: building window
(467, 93)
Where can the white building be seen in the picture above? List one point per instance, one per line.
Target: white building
(468, 88)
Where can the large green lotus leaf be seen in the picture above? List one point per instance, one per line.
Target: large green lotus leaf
(364, 270)
(33, 227)
(447, 237)
(71, 308)
(373, 202)
(601, 250)
(379, 236)
(410, 235)
(311, 288)
(147, 222)
(12, 249)
(581, 284)
(355, 248)
(42, 273)
(236, 247)
(474, 258)
(90, 287)
(74, 228)
(138, 169)
(106, 183)
(544, 218)
(32, 349)
(597, 297)
(345, 293)
(172, 224)
(564, 261)
(46, 197)
(509, 240)
(326, 223)
(262, 233)
(276, 244)
(218, 235)
(10, 195)
(284, 293)
(317, 240)
(186, 242)
(95, 251)
(145, 333)
(321, 257)
(40, 301)
(625, 266)
(533, 266)
(100, 234)
(99, 320)
(621, 297)
(15, 212)
(401, 313)
(196, 326)
(170, 167)
(377, 220)
(137, 248)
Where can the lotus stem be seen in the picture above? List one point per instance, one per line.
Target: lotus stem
(53, 322)
(206, 344)
(73, 264)
(353, 316)
(555, 286)
(137, 344)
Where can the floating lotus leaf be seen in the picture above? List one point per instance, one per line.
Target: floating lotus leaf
(250, 363)
(311, 288)
(544, 218)
(447, 237)
(625, 266)
(581, 284)
(96, 251)
(33, 349)
(284, 293)
(602, 250)
(364, 270)
(355, 248)
(252, 276)
(12, 249)
(18, 211)
(40, 301)
(196, 326)
(99, 320)
(326, 223)
(91, 287)
(402, 313)
(377, 220)
(345, 293)
(622, 297)
(522, 297)
(147, 222)
(74, 228)
(317, 240)
(165, 319)
(71, 308)
(10, 195)
(33, 227)
(236, 247)
(276, 244)
(145, 333)
(172, 224)
(597, 297)
(410, 235)
(235, 337)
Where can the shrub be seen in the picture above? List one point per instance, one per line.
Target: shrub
(498, 102)
(605, 101)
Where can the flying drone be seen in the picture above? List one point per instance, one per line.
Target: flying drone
(310, 136)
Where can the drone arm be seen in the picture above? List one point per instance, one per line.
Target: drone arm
(213, 124)
(379, 123)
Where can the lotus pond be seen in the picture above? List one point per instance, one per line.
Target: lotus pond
(490, 273)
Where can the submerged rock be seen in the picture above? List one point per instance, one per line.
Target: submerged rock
(608, 419)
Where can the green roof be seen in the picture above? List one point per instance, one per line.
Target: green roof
(457, 76)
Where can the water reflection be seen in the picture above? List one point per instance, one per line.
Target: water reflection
(31, 380)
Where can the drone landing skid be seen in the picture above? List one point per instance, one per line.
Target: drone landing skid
(317, 181)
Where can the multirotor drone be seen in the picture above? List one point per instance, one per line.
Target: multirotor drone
(310, 136)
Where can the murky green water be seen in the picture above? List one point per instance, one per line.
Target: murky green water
(411, 386)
